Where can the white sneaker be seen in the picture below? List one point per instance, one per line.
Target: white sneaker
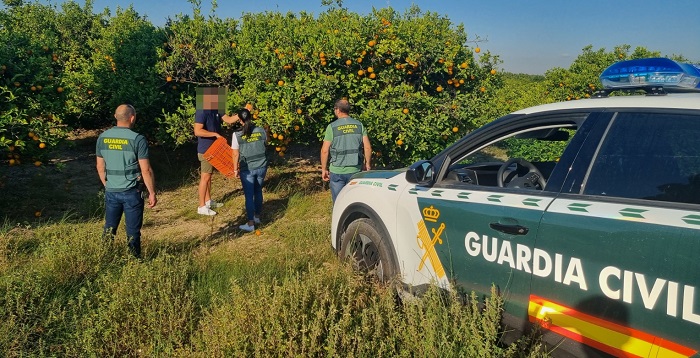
(204, 210)
(256, 220)
(213, 204)
(246, 227)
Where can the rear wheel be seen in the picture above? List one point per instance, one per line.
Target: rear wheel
(368, 250)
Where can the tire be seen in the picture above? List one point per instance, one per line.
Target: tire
(370, 252)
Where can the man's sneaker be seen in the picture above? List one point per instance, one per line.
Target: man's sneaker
(203, 210)
(246, 227)
(213, 204)
(256, 220)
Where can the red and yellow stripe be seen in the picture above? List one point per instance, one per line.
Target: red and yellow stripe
(606, 336)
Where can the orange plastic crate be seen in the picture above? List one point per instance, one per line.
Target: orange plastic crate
(220, 155)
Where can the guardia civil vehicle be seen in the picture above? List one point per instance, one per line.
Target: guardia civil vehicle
(593, 233)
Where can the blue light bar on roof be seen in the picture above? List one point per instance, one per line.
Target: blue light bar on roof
(651, 72)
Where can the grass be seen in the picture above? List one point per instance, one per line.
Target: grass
(206, 289)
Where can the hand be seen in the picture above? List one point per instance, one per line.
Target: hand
(152, 200)
(325, 175)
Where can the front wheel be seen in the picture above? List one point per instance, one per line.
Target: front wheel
(367, 250)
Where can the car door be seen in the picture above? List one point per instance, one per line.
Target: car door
(622, 241)
(473, 232)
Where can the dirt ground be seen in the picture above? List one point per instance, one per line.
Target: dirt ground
(68, 188)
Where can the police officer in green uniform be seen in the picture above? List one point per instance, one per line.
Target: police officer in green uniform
(122, 164)
(347, 144)
(250, 160)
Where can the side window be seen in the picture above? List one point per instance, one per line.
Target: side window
(524, 158)
(650, 156)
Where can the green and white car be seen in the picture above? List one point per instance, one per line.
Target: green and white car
(591, 232)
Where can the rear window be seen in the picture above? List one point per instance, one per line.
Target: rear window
(651, 156)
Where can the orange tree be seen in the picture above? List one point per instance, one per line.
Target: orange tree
(411, 77)
(69, 68)
(30, 88)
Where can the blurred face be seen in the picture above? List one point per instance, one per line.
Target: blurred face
(211, 101)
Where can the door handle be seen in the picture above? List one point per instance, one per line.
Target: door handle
(510, 229)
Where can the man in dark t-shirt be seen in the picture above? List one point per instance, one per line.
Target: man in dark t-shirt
(207, 128)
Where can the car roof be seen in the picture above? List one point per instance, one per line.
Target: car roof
(670, 101)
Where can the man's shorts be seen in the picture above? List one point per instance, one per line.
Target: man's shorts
(205, 166)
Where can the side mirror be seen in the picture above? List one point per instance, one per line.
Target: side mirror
(420, 173)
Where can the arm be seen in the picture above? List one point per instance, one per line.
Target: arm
(236, 157)
(199, 131)
(230, 119)
(149, 180)
(325, 151)
(368, 152)
(101, 171)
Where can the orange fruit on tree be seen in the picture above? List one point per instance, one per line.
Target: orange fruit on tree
(278, 149)
(399, 142)
(33, 88)
(17, 84)
(405, 111)
(37, 213)
(249, 106)
(348, 62)
(359, 60)
(169, 78)
(370, 69)
(280, 137)
(439, 88)
(281, 154)
(464, 65)
(39, 87)
(388, 61)
(477, 50)
(455, 129)
(59, 89)
(275, 135)
(493, 71)
(280, 83)
(37, 163)
(482, 89)
(360, 72)
(372, 75)
(296, 127)
(12, 162)
(371, 43)
(299, 111)
(174, 87)
(42, 145)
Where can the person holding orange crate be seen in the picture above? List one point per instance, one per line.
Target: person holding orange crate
(207, 128)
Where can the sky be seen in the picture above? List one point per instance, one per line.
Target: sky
(529, 36)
